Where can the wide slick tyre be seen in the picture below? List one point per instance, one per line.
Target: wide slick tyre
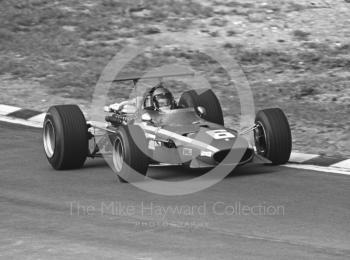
(206, 99)
(129, 157)
(273, 139)
(65, 137)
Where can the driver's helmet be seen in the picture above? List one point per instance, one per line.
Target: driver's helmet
(160, 98)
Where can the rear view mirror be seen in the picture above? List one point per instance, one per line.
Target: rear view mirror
(146, 117)
(201, 111)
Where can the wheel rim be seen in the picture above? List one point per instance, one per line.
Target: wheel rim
(118, 155)
(260, 139)
(49, 139)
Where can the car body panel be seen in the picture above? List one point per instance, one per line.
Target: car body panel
(196, 141)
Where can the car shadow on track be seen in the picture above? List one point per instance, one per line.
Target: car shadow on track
(253, 169)
(180, 173)
(176, 173)
(95, 163)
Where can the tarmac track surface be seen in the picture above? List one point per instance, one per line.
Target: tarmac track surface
(40, 216)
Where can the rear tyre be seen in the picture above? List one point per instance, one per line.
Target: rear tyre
(273, 139)
(65, 137)
(206, 99)
(130, 160)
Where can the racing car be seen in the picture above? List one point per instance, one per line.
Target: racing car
(158, 129)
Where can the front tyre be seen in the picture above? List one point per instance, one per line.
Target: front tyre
(130, 160)
(65, 137)
(273, 139)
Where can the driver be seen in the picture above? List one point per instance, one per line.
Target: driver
(159, 98)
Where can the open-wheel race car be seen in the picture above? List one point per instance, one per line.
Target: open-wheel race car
(157, 129)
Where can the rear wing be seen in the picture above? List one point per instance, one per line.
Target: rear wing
(135, 77)
(126, 77)
(164, 72)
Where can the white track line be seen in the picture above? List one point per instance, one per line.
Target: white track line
(38, 118)
(318, 168)
(301, 157)
(342, 164)
(5, 110)
(21, 121)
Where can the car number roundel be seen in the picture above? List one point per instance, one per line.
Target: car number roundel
(220, 134)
